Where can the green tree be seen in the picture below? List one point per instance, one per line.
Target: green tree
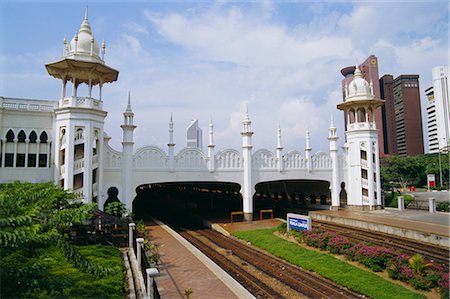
(34, 217)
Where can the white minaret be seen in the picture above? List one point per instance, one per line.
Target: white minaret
(79, 144)
(211, 157)
(333, 138)
(171, 146)
(127, 152)
(247, 188)
(364, 186)
(279, 151)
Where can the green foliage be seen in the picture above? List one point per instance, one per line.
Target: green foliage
(53, 276)
(417, 264)
(443, 206)
(35, 217)
(392, 201)
(115, 208)
(341, 272)
(401, 172)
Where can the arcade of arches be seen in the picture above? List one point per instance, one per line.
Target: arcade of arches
(215, 200)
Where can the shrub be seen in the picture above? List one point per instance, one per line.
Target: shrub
(398, 269)
(318, 239)
(420, 283)
(339, 244)
(115, 208)
(443, 206)
(374, 257)
(444, 285)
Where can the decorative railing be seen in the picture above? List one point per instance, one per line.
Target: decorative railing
(86, 102)
(27, 104)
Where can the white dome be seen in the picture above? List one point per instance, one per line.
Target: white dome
(80, 45)
(359, 88)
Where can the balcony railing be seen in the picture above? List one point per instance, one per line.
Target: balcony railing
(85, 102)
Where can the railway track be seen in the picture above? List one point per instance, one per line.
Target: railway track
(300, 281)
(431, 252)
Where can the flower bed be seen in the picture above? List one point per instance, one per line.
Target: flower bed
(421, 274)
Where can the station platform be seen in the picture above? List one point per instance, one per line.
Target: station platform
(413, 224)
(185, 267)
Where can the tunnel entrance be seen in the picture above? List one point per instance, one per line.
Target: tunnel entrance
(209, 200)
(292, 196)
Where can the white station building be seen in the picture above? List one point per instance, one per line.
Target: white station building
(64, 141)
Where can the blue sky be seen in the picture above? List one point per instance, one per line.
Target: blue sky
(209, 59)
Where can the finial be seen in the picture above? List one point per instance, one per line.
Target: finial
(332, 122)
(86, 13)
(129, 102)
(171, 119)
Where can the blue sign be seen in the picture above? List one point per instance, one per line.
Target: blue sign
(299, 222)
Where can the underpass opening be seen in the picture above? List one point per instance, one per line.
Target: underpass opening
(292, 196)
(208, 200)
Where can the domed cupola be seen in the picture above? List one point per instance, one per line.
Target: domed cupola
(359, 88)
(83, 44)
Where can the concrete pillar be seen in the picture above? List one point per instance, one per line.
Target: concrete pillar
(401, 203)
(87, 169)
(432, 205)
(131, 227)
(101, 161)
(370, 175)
(333, 138)
(151, 274)
(140, 243)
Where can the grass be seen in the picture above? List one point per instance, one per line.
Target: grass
(354, 278)
(72, 283)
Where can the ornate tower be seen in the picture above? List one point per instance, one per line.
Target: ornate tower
(127, 151)
(359, 106)
(247, 188)
(80, 119)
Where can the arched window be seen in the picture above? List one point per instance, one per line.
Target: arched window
(21, 137)
(361, 115)
(43, 138)
(10, 136)
(33, 137)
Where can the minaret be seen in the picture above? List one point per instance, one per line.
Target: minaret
(333, 138)
(364, 186)
(171, 146)
(79, 144)
(279, 151)
(211, 157)
(127, 152)
(247, 188)
(308, 152)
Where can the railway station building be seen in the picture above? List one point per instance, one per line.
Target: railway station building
(64, 141)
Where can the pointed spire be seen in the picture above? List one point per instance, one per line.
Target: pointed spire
(171, 123)
(308, 146)
(211, 133)
(358, 73)
(332, 122)
(86, 13)
(129, 103)
(279, 146)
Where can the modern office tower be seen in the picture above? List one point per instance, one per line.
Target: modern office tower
(194, 135)
(433, 142)
(438, 110)
(388, 114)
(369, 69)
(408, 115)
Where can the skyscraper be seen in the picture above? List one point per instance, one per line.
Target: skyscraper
(388, 114)
(408, 115)
(369, 69)
(438, 110)
(433, 141)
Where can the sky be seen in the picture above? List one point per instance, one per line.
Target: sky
(209, 60)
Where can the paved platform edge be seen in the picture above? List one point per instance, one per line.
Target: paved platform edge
(229, 281)
(407, 232)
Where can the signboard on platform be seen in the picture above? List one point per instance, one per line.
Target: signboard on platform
(300, 222)
(431, 179)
